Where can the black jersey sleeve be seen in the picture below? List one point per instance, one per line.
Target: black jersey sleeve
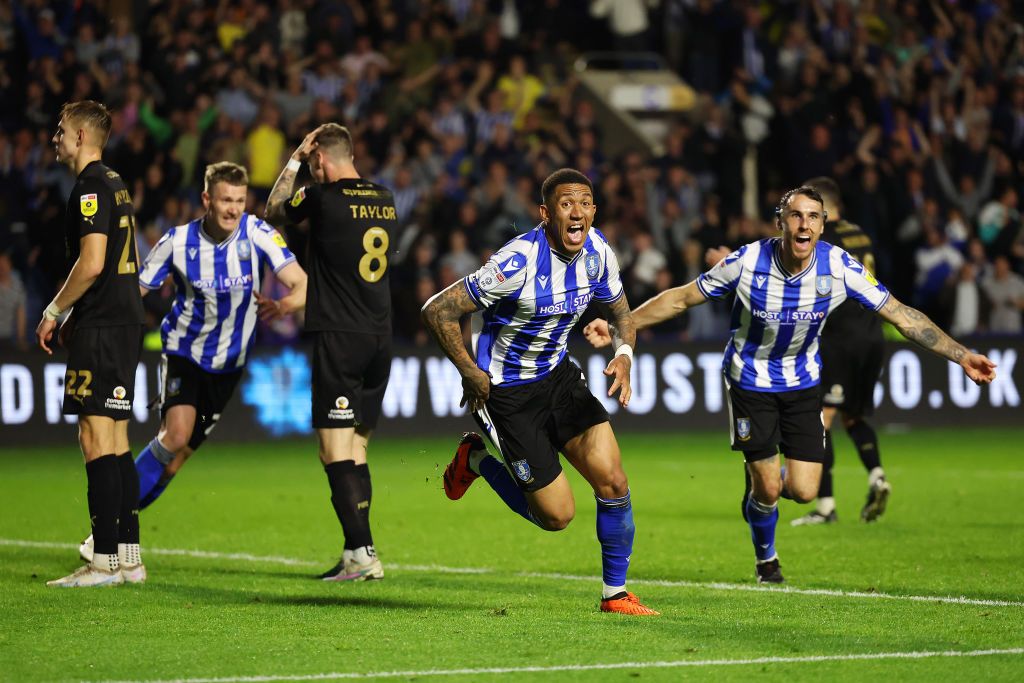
(94, 204)
(303, 203)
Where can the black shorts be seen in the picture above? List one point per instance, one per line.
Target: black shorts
(100, 376)
(849, 372)
(350, 375)
(183, 383)
(530, 423)
(761, 421)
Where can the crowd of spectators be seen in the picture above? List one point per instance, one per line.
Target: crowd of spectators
(462, 107)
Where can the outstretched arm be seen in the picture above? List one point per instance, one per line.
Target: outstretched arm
(668, 304)
(918, 328)
(441, 314)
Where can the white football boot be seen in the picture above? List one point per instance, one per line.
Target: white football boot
(88, 576)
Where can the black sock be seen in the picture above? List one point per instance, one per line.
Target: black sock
(364, 476)
(128, 529)
(825, 487)
(350, 503)
(104, 497)
(866, 441)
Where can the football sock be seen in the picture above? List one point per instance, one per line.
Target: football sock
(864, 438)
(762, 519)
(104, 497)
(825, 487)
(350, 503)
(364, 555)
(364, 477)
(826, 505)
(615, 531)
(874, 475)
(128, 526)
(495, 474)
(150, 467)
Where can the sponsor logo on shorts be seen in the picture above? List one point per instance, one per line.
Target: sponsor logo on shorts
(341, 410)
(173, 386)
(522, 470)
(118, 402)
(823, 285)
(743, 428)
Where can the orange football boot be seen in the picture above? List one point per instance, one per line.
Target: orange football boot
(458, 476)
(627, 603)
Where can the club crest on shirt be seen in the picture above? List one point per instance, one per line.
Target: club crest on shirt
(592, 262)
(244, 249)
(743, 428)
(823, 285)
(522, 470)
(89, 204)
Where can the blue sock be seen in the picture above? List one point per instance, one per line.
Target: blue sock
(501, 481)
(151, 472)
(615, 531)
(762, 519)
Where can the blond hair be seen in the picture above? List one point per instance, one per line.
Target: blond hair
(335, 141)
(224, 172)
(88, 114)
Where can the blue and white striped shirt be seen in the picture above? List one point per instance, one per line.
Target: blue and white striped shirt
(531, 297)
(214, 313)
(777, 317)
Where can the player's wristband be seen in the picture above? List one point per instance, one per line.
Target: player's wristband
(624, 350)
(293, 165)
(52, 311)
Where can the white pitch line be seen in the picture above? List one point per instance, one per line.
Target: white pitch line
(441, 569)
(342, 675)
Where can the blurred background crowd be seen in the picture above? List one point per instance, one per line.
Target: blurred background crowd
(462, 107)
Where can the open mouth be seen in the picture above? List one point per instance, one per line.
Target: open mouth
(802, 240)
(576, 234)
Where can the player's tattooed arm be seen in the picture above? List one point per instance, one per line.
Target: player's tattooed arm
(668, 304)
(620, 323)
(441, 314)
(284, 187)
(918, 328)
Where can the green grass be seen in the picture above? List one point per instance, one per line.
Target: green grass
(954, 528)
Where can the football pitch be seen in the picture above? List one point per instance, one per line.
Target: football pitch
(474, 593)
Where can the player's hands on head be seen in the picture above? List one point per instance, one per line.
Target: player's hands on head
(476, 387)
(619, 369)
(44, 332)
(596, 332)
(979, 368)
(307, 145)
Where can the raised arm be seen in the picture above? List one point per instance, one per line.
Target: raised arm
(284, 187)
(918, 328)
(668, 304)
(441, 314)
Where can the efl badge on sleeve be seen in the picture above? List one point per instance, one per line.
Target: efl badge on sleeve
(743, 428)
(823, 284)
(522, 470)
(593, 265)
(90, 203)
(244, 249)
(299, 196)
(279, 240)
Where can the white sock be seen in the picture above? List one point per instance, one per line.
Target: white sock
(104, 562)
(611, 591)
(129, 554)
(364, 555)
(346, 555)
(875, 474)
(474, 459)
(826, 506)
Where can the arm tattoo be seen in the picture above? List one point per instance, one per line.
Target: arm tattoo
(917, 327)
(282, 190)
(441, 315)
(620, 323)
